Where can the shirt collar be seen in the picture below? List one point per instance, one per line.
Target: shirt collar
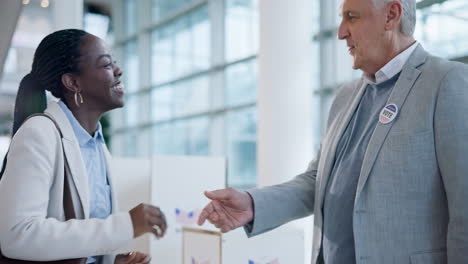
(81, 134)
(393, 67)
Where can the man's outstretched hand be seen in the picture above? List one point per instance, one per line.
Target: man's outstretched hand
(228, 209)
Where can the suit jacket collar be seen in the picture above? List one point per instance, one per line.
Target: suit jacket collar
(72, 152)
(409, 74)
(336, 130)
(54, 110)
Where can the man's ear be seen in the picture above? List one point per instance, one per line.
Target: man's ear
(394, 14)
(70, 82)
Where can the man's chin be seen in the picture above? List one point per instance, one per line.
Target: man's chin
(356, 65)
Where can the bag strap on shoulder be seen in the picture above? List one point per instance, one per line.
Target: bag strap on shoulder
(29, 117)
(67, 199)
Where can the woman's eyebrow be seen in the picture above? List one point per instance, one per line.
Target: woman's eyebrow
(104, 56)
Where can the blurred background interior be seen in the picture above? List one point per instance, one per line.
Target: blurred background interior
(251, 80)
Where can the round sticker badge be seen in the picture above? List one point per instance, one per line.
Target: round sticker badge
(388, 113)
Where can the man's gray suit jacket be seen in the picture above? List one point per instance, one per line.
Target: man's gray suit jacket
(411, 200)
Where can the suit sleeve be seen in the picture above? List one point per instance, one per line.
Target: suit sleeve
(26, 232)
(451, 137)
(278, 204)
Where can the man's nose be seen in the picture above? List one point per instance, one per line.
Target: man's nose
(343, 31)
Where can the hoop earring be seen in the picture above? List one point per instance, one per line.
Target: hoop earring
(76, 99)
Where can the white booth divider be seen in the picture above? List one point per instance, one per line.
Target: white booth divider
(177, 188)
(176, 185)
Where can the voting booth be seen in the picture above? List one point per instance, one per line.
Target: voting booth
(176, 185)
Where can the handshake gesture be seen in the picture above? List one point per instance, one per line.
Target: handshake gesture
(228, 209)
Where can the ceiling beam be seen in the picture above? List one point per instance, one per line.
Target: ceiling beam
(427, 3)
(9, 14)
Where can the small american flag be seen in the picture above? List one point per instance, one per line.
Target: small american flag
(186, 218)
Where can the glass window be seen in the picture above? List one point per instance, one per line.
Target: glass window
(144, 146)
(164, 8)
(162, 54)
(131, 113)
(181, 98)
(183, 137)
(241, 83)
(116, 145)
(181, 47)
(130, 143)
(162, 139)
(242, 29)
(179, 137)
(198, 136)
(144, 108)
(161, 103)
(441, 28)
(201, 42)
(96, 24)
(11, 62)
(191, 96)
(131, 70)
(130, 17)
(118, 118)
(241, 128)
(193, 108)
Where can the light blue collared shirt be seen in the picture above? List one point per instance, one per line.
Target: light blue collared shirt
(95, 163)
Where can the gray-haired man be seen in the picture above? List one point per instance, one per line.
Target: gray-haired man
(389, 182)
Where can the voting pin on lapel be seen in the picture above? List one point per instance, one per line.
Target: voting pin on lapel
(388, 113)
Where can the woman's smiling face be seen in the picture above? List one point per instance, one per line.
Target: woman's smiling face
(99, 77)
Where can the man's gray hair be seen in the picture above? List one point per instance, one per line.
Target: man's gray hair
(408, 19)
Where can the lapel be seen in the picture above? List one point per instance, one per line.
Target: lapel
(403, 86)
(330, 143)
(73, 155)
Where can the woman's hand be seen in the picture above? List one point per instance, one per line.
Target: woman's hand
(132, 258)
(148, 219)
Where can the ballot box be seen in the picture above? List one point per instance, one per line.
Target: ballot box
(283, 245)
(201, 246)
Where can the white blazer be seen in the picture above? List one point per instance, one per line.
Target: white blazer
(32, 225)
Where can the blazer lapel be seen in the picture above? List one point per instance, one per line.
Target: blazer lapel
(73, 156)
(332, 141)
(405, 83)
